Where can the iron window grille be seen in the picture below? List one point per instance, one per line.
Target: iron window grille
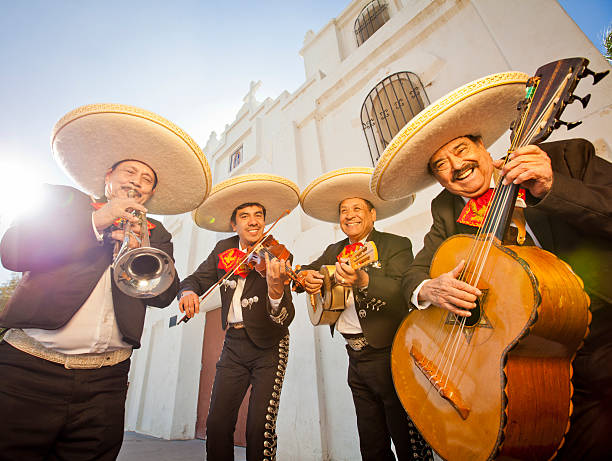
(392, 103)
(371, 18)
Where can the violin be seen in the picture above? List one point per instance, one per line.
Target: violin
(255, 259)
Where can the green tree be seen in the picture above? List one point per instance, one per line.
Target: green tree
(6, 290)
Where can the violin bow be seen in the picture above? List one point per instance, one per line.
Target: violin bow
(245, 258)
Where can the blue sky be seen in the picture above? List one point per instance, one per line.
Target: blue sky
(190, 61)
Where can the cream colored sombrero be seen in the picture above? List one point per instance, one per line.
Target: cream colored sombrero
(484, 107)
(275, 193)
(323, 196)
(87, 141)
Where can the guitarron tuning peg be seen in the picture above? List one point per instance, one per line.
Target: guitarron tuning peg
(597, 76)
(585, 100)
(569, 125)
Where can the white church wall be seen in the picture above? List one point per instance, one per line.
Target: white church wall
(316, 129)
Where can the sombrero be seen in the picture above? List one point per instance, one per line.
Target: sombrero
(275, 193)
(323, 196)
(87, 141)
(484, 107)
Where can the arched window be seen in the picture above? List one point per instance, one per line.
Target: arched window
(388, 107)
(371, 18)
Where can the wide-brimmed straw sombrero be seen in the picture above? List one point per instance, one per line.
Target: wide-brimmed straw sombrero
(323, 196)
(87, 141)
(275, 193)
(484, 107)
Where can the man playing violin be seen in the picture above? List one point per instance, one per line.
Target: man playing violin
(373, 310)
(65, 358)
(256, 310)
(567, 206)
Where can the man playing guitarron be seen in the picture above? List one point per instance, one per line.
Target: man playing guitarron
(567, 203)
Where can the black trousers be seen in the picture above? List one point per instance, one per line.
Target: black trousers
(242, 364)
(589, 436)
(51, 413)
(380, 415)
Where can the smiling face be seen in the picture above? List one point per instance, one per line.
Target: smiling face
(356, 218)
(463, 167)
(130, 175)
(249, 224)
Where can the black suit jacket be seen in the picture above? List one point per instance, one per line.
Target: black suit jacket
(573, 221)
(62, 261)
(262, 328)
(378, 322)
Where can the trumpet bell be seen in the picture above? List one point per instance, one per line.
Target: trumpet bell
(143, 272)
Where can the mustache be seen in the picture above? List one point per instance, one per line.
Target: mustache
(135, 192)
(466, 166)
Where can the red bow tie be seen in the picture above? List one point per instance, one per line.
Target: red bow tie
(476, 208)
(348, 250)
(229, 259)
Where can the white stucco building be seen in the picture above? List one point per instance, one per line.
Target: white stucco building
(318, 128)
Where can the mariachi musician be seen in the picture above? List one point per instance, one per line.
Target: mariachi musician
(373, 309)
(567, 203)
(256, 310)
(65, 359)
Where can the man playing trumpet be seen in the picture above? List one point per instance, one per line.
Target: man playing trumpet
(65, 358)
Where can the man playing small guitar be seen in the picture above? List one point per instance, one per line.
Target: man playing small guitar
(374, 306)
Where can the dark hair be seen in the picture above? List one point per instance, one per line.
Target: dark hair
(246, 205)
(116, 164)
(472, 137)
(369, 204)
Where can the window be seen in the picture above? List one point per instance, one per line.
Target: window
(388, 107)
(235, 159)
(371, 18)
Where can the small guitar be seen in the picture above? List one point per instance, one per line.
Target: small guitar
(326, 306)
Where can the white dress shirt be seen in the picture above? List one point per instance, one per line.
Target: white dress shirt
(93, 328)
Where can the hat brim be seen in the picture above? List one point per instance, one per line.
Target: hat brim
(87, 141)
(275, 193)
(322, 198)
(484, 107)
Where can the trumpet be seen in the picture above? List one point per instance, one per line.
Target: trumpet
(142, 272)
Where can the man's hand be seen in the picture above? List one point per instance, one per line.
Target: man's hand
(347, 276)
(313, 281)
(530, 167)
(189, 303)
(119, 235)
(114, 209)
(448, 292)
(276, 276)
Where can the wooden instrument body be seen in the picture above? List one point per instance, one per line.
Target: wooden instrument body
(511, 372)
(325, 307)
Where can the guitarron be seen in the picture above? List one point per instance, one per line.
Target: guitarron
(497, 384)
